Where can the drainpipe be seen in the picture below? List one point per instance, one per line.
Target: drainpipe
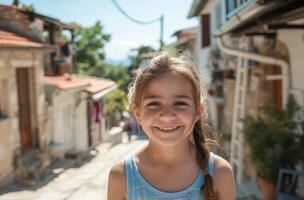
(286, 84)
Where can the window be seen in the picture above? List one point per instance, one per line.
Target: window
(3, 98)
(233, 6)
(205, 30)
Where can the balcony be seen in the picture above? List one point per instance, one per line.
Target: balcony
(234, 6)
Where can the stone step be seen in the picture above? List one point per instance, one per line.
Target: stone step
(30, 165)
(57, 151)
(28, 156)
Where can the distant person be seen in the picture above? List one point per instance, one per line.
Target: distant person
(167, 101)
(128, 127)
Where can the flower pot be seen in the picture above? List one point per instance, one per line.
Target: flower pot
(267, 189)
(61, 69)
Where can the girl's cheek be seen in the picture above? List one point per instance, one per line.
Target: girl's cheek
(149, 112)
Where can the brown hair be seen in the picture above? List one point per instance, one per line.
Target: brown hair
(165, 64)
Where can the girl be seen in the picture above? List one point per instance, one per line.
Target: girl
(166, 99)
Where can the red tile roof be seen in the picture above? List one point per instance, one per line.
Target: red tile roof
(91, 84)
(98, 84)
(10, 39)
(62, 83)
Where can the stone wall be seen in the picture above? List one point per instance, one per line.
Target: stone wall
(13, 18)
(12, 59)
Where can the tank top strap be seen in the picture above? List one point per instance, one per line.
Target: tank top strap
(211, 164)
(129, 171)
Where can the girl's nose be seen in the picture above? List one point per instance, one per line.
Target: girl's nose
(167, 114)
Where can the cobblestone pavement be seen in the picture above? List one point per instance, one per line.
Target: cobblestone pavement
(87, 182)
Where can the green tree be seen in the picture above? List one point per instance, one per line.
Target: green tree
(16, 2)
(29, 7)
(117, 73)
(116, 101)
(90, 56)
(90, 44)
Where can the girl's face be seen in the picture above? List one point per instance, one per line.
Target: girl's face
(167, 111)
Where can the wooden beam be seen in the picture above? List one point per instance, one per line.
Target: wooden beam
(285, 26)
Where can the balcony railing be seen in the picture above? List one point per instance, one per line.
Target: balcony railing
(290, 185)
(234, 6)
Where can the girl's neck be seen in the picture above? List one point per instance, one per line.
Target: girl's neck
(181, 153)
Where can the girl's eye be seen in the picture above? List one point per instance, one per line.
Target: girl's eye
(153, 104)
(181, 103)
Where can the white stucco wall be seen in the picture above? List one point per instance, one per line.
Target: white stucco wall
(63, 103)
(213, 8)
(294, 40)
(81, 124)
(69, 118)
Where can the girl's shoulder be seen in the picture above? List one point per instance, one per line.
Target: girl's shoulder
(117, 170)
(117, 186)
(221, 165)
(223, 178)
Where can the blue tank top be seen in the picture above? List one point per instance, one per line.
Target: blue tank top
(140, 189)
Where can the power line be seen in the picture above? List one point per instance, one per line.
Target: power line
(161, 20)
(131, 18)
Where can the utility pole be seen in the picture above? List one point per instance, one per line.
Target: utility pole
(161, 40)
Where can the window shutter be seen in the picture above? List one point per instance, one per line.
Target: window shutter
(205, 26)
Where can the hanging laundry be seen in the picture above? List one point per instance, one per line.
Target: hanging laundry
(96, 111)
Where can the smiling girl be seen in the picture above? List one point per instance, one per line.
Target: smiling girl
(167, 101)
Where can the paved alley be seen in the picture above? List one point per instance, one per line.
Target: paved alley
(86, 182)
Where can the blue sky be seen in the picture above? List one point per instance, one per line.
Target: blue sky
(125, 34)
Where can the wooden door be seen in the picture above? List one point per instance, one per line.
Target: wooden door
(25, 125)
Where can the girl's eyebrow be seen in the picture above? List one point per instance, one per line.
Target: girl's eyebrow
(181, 96)
(151, 97)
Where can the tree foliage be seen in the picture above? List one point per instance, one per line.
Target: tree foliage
(90, 43)
(90, 60)
(28, 7)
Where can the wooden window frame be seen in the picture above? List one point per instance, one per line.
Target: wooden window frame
(205, 30)
(3, 97)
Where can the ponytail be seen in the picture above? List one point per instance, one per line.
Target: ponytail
(202, 158)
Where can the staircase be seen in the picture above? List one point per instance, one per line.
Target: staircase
(30, 165)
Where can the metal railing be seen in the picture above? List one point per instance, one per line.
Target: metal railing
(234, 6)
(289, 184)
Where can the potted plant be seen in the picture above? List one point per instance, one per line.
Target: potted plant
(274, 142)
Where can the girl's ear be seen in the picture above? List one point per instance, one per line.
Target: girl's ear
(136, 112)
(201, 110)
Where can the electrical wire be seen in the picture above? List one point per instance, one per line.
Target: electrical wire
(131, 18)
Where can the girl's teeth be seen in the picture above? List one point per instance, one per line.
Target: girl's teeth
(168, 129)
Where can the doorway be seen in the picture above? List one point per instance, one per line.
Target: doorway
(25, 108)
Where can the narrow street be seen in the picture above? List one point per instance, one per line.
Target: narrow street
(86, 182)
